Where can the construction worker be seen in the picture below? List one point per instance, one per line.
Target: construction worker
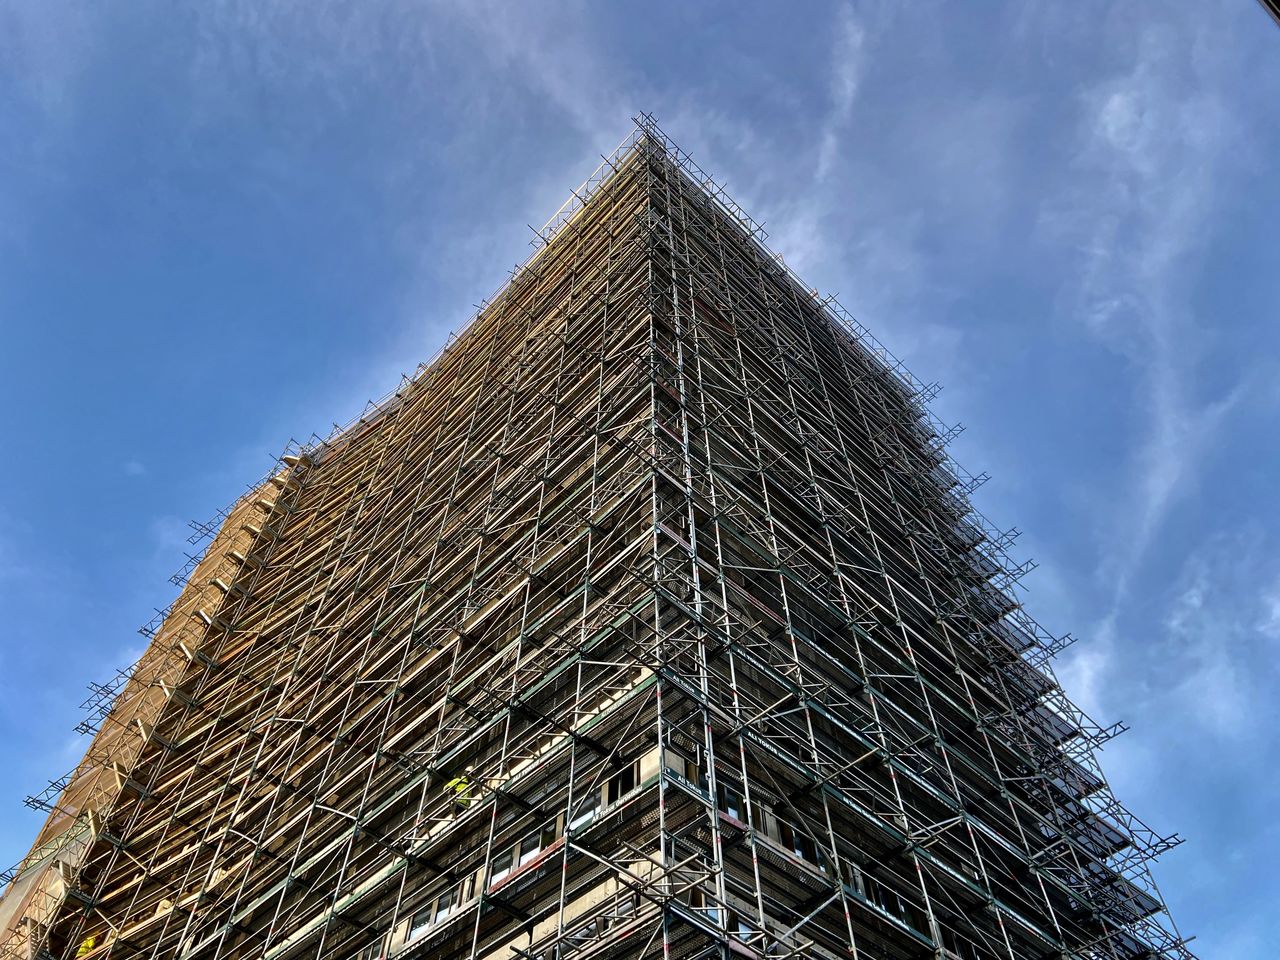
(460, 789)
(86, 946)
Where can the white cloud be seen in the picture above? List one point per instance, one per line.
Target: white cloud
(1152, 148)
(1085, 669)
(846, 73)
(1209, 641)
(561, 60)
(1209, 660)
(1221, 631)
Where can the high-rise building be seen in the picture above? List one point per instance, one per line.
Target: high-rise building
(650, 619)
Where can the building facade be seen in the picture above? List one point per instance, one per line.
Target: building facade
(648, 620)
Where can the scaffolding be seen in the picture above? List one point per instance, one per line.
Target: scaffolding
(649, 619)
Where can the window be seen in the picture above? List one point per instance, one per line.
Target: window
(589, 932)
(956, 946)
(421, 922)
(445, 905)
(801, 844)
(740, 926)
(685, 765)
(884, 898)
(501, 866)
(550, 833)
(894, 903)
(621, 785)
(731, 800)
(786, 835)
(529, 848)
(698, 900)
(806, 849)
(852, 875)
(586, 807)
(427, 916)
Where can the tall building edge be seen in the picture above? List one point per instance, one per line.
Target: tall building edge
(649, 620)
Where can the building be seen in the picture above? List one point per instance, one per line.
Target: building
(648, 620)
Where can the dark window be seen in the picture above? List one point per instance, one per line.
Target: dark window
(731, 801)
(786, 835)
(621, 785)
(740, 926)
(550, 833)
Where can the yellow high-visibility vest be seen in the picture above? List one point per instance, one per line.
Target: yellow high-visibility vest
(87, 945)
(461, 788)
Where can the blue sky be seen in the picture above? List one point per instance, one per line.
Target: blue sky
(225, 224)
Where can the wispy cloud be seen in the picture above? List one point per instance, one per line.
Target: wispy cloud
(1139, 208)
(846, 72)
(1087, 673)
(1214, 683)
(1220, 632)
(562, 60)
(1208, 658)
